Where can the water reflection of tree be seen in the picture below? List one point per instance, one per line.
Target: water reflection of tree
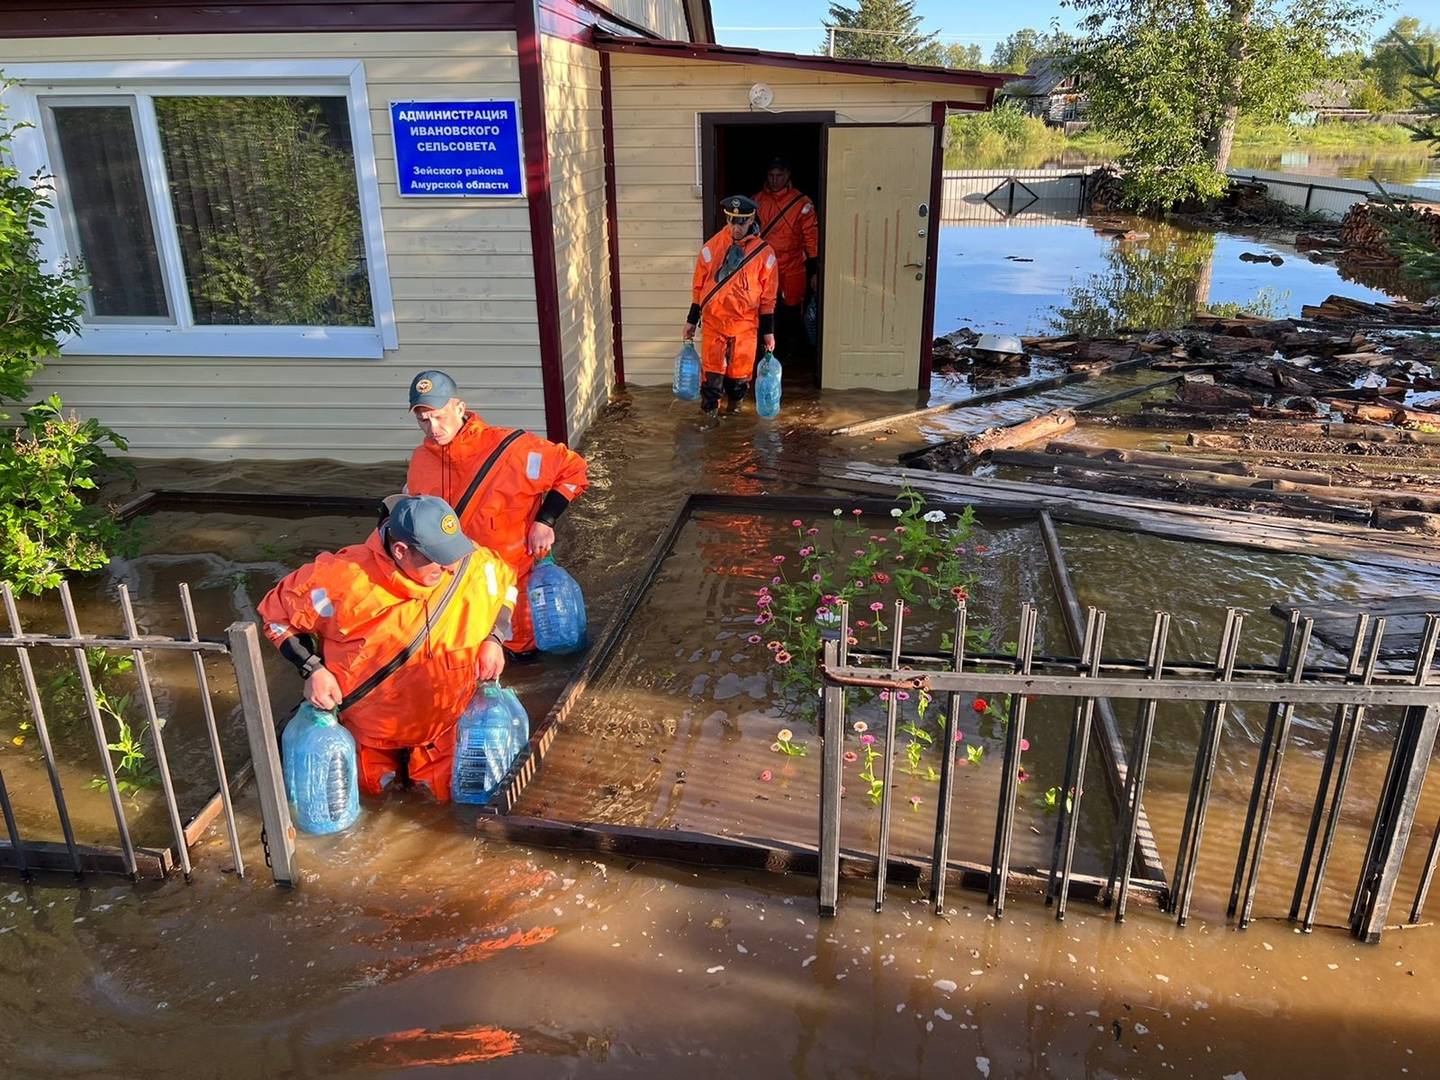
(267, 209)
(1150, 283)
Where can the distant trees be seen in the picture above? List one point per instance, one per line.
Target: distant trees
(882, 30)
(1017, 51)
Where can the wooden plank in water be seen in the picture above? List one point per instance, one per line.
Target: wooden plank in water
(1404, 622)
(44, 855)
(717, 852)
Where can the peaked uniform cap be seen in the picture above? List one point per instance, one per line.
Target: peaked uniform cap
(433, 389)
(739, 206)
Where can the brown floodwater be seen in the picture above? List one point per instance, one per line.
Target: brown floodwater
(411, 943)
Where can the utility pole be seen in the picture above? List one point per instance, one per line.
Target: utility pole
(832, 40)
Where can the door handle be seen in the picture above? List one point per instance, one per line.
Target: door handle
(914, 266)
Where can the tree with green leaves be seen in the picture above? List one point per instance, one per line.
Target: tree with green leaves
(1017, 51)
(882, 30)
(1392, 62)
(965, 57)
(51, 460)
(1170, 81)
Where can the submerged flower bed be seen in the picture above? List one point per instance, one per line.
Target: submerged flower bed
(926, 560)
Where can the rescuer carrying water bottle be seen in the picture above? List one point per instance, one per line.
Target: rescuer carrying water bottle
(395, 633)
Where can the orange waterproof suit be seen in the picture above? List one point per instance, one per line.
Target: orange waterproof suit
(731, 318)
(364, 610)
(515, 494)
(788, 223)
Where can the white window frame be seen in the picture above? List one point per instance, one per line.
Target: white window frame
(145, 80)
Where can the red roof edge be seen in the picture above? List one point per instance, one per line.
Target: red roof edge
(875, 69)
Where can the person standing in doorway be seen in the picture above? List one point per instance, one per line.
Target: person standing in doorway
(508, 487)
(789, 224)
(733, 289)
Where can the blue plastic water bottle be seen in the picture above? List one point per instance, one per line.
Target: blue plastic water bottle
(557, 608)
(687, 373)
(484, 747)
(518, 714)
(321, 775)
(767, 386)
(811, 316)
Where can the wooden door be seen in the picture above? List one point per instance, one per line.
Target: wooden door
(877, 187)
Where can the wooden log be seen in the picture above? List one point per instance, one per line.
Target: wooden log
(1023, 433)
(1408, 521)
(1370, 433)
(1399, 499)
(1193, 463)
(1193, 392)
(1329, 509)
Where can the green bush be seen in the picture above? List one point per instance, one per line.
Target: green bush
(47, 526)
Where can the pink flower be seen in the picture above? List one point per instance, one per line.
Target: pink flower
(806, 551)
(763, 618)
(796, 523)
(959, 736)
(857, 511)
(851, 756)
(960, 550)
(1024, 744)
(914, 802)
(882, 577)
(766, 776)
(859, 551)
(852, 640)
(860, 584)
(754, 639)
(902, 695)
(884, 539)
(763, 601)
(775, 646)
(782, 657)
(815, 577)
(899, 528)
(1023, 776)
(862, 623)
(774, 581)
(867, 740)
(778, 559)
(959, 593)
(924, 569)
(812, 532)
(877, 606)
(884, 695)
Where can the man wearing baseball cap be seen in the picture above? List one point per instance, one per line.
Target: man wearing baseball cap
(395, 633)
(733, 289)
(508, 487)
(789, 224)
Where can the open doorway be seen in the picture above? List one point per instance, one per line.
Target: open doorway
(736, 151)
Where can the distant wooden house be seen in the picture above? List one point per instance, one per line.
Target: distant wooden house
(1048, 91)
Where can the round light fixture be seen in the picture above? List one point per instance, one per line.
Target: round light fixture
(761, 96)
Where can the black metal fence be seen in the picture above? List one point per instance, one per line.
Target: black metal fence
(1219, 684)
(241, 646)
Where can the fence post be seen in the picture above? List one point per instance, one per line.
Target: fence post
(833, 738)
(279, 834)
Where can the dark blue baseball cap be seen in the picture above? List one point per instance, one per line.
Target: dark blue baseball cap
(433, 389)
(429, 525)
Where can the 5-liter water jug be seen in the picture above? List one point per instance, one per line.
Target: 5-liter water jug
(321, 779)
(518, 714)
(767, 386)
(686, 383)
(557, 608)
(484, 747)
(811, 316)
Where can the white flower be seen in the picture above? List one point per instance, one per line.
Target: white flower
(836, 511)
(935, 515)
(895, 511)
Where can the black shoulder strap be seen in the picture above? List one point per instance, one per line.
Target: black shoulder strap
(778, 217)
(484, 471)
(762, 246)
(398, 661)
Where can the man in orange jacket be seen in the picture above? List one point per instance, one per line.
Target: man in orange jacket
(733, 289)
(789, 224)
(508, 487)
(395, 633)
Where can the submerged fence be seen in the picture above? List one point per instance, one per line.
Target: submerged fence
(1090, 678)
(241, 646)
(974, 196)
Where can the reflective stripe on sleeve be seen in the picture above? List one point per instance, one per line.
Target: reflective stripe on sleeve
(491, 581)
(532, 465)
(705, 253)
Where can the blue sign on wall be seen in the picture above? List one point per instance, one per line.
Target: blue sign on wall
(458, 149)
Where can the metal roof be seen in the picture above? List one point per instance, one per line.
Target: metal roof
(875, 69)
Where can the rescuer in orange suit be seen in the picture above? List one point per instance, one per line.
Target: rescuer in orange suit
(513, 509)
(418, 600)
(734, 283)
(790, 225)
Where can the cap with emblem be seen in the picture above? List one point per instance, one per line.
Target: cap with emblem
(433, 389)
(429, 525)
(780, 162)
(738, 206)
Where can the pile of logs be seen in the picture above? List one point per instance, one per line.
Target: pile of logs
(1365, 229)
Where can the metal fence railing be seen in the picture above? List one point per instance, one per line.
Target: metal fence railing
(1089, 678)
(241, 647)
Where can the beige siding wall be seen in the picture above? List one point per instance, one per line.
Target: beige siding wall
(573, 118)
(656, 100)
(461, 271)
(665, 17)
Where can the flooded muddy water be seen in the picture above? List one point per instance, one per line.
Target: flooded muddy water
(411, 944)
